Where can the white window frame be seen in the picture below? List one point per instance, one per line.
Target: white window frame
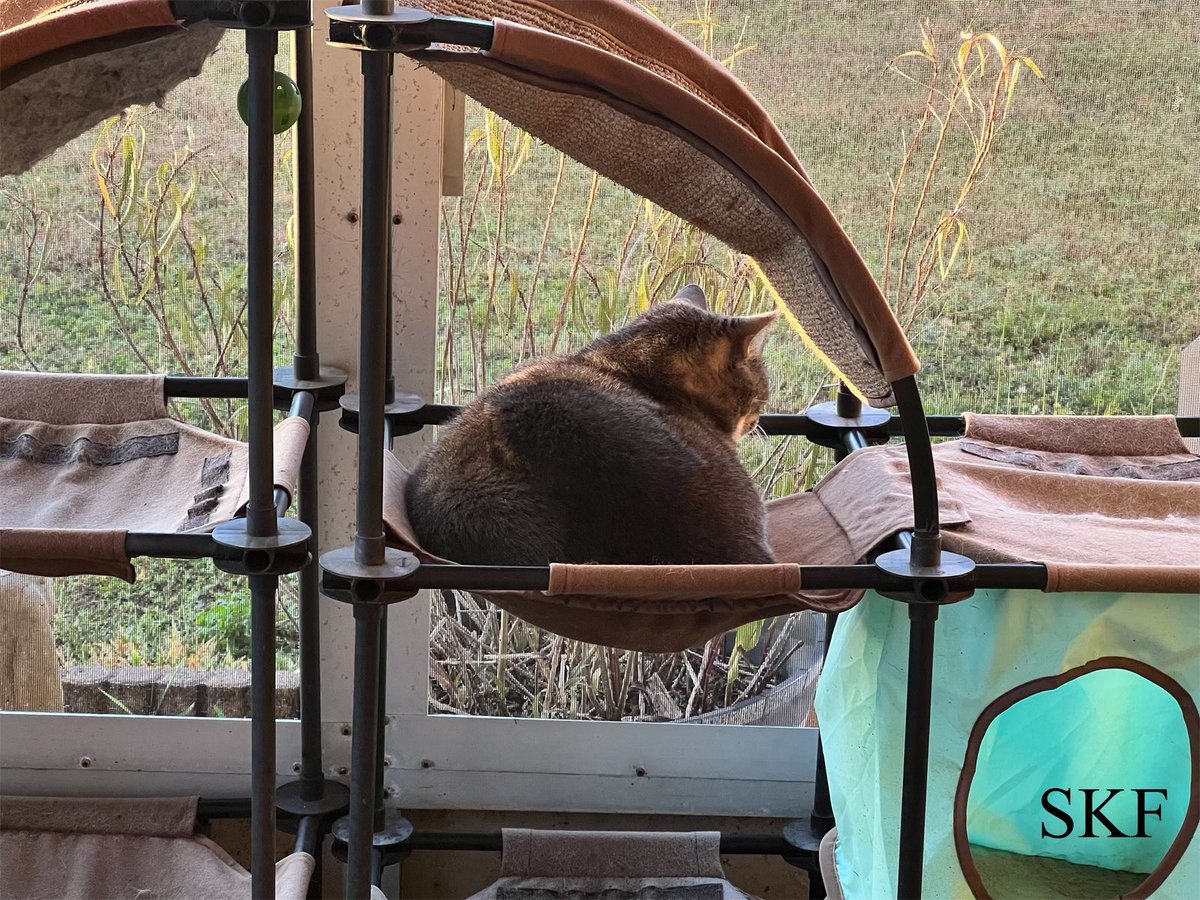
(435, 761)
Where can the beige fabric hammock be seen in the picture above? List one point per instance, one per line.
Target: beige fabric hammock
(664, 865)
(85, 459)
(60, 848)
(1106, 504)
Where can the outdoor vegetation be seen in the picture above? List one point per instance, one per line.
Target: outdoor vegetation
(1020, 176)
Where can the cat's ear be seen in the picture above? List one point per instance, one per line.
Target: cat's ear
(693, 294)
(750, 332)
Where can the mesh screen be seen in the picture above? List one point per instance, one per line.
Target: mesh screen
(124, 251)
(1019, 175)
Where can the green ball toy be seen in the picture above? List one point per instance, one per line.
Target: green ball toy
(287, 103)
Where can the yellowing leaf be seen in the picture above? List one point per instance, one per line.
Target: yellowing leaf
(1033, 67)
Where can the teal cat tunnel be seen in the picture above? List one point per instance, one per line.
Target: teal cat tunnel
(1058, 555)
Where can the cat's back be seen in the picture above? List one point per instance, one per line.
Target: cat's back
(559, 462)
(621, 453)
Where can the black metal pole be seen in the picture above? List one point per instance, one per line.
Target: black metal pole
(306, 362)
(262, 727)
(260, 48)
(369, 548)
(922, 621)
(377, 98)
(380, 720)
(389, 383)
(775, 423)
(260, 511)
(312, 772)
(927, 540)
(365, 725)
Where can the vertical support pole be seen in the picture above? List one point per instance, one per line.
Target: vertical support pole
(922, 622)
(369, 548)
(380, 719)
(306, 361)
(312, 770)
(389, 384)
(372, 376)
(360, 848)
(260, 49)
(260, 512)
(926, 550)
(821, 818)
(262, 736)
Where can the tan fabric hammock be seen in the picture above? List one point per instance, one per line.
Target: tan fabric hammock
(85, 459)
(59, 848)
(666, 865)
(1106, 504)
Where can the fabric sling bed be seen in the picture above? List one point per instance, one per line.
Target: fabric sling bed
(55, 847)
(1132, 524)
(77, 454)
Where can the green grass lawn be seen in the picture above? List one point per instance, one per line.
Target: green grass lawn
(1081, 291)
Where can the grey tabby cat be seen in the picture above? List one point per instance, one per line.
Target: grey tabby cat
(620, 453)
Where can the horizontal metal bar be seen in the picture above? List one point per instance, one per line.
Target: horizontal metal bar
(776, 423)
(273, 15)
(197, 386)
(173, 546)
(492, 841)
(302, 406)
(222, 808)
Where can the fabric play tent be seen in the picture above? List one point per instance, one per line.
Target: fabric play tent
(1091, 688)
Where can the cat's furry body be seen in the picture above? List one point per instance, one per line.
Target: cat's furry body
(621, 453)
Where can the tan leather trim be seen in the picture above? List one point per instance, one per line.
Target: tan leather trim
(78, 31)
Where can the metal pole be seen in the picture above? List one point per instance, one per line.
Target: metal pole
(922, 621)
(262, 739)
(360, 847)
(389, 384)
(312, 773)
(380, 719)
(260, 48)
(306, 362)
(260, 512)
(369, 548)
(927, 541)
(377, 126)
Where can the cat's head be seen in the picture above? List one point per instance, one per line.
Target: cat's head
(694, 360)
